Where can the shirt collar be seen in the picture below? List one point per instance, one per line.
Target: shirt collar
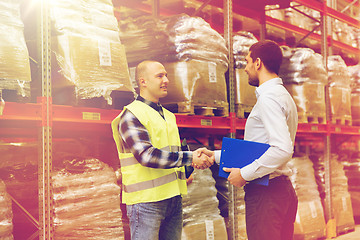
(267, 85)
(157, 107)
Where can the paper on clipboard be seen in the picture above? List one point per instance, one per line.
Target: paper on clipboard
(236, 153)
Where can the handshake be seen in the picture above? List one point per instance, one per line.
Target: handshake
(203, 158)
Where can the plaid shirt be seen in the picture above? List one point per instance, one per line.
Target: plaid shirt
(137, 141)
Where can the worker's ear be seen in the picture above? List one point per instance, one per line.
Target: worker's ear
(258, 63)
(142, 82)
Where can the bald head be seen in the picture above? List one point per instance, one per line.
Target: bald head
(142, 70)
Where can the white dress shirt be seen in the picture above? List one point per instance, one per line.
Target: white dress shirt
(273, 120)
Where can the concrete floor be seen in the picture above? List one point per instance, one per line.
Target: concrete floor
(351, 235)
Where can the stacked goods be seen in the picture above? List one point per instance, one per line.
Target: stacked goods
(195, 85)
(240, 213)
(194, 39)
(351, 164)
(339, 90)
(6, 226)
(305, 76)
(194, 55)
(14, 56)
(310, 221)
(88, 51)
(144, 34)
(177, 38)
(87, 201)
(340, 198)
(19, 171)
(201, 215)
(355, 93)
(245, 97)
(201, 63)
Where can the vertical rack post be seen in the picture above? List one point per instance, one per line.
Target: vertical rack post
(155, 5)
(45, 130)
(228, 29)
(330, 222)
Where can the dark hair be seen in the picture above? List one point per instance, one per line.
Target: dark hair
(269, 53)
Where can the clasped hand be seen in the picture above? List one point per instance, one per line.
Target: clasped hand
(203, 158)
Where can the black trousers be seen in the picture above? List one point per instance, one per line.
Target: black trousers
(270, 210)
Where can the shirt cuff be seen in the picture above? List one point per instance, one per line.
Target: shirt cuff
(248, 172)
(187, 158)
(217, 154)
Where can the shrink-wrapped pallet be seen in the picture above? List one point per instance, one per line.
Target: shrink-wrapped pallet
(242, 41)
(14, 56)
(240, 214)
(339, 90)
(177, 38)
(89, 55)
(310, 220)
(305, 76)
(6, 216)
(351, 165)
(144, 34)
(201, 215)
(194, 39)
(245, 97)
(355, 93)
(196, 84)
(340, 197)
(87, 201)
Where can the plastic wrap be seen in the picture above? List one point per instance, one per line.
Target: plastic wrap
(95, 67)
(245, 93)
(340, 197)
(200, 209)
(145, 34)
(338, 72)
(302, 65)
(309, 98)
(196, 83)
(241, 43)
(355, 93)
(310, 220)
(177, 38)
(87, 48)
(352, 170)
(194, 38)
(6, 215)
(87, 201)
(94, 19)
(240, 213)
(14, 56)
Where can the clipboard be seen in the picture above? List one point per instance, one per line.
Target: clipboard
(236, 153)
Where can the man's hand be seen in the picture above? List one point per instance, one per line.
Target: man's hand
(203, 158)
(235, 177)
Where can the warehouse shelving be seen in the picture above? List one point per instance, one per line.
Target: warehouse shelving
(43, 120)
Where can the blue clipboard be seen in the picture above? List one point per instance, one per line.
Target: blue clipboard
(236, 153)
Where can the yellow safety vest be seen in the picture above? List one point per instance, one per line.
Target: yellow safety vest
(143, 184)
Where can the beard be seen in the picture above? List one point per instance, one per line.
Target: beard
(253, 81)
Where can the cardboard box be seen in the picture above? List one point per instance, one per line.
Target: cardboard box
(210, 229)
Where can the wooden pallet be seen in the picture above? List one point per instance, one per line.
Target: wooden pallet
(341, 120)
(311, 118)
(242, 110)
(198, 109)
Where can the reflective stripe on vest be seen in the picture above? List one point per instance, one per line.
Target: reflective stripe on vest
(132, 160)
(154, 182)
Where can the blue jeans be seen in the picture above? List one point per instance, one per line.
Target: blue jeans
(156, 220)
